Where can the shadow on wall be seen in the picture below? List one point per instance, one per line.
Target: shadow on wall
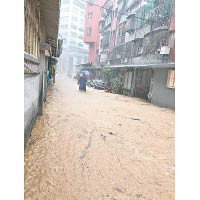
(31, 103)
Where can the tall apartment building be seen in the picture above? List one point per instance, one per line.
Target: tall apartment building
(137, 38)
(107, 30)
(91, 30)
(71, 29)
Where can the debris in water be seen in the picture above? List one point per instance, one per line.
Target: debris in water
(103, 136)
(138, 195)
(135, 119)
(111, 133)
(119, 190)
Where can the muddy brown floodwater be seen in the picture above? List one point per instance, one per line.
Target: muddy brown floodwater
(99, 146)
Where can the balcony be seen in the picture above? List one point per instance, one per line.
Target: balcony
(160, 22)
(105, 41)
(159, 16)
(134, 48)
(121, 39)
(153, 41)
(130, 23)
(108, 5)
(103, 57)
(108, 21)
(101, 26)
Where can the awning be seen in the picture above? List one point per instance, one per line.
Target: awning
(88, 68)
(154, 65)
(85, 65)
(131, 15)
(50, 12)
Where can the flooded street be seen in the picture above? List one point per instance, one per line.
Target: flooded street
(99, 146)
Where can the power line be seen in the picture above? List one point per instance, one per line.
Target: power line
(114, 11)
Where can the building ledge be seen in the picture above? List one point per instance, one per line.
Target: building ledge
(28, 70)
(89, 42)
(31, 58)
(152, 65)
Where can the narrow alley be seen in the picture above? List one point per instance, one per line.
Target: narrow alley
(99, 146)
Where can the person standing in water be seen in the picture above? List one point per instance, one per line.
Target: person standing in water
(82, 82)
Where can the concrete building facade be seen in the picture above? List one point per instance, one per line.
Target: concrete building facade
(40, 45)
(107, 30)
(163, 89)
(144, 48)
(91, 30)
(71, 29)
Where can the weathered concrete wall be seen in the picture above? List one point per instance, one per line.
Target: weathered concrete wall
(161, 94)
(141, 82)
(139, 33)
(45, 85)
(41, 87)
(31, 102)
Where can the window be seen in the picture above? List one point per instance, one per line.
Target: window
(79, 4)
(86, 59)
(101, 43)
(86, 45)
(65, 1)
(90, 3)
(91, 45)
(75, 10)
(89, 29)
(171, 40)
(106, 38)
(63, 33)
(31, 37)
(80, 37)
(74, 35)
(171, 79)
(65, 10)
(64, 20)
(80, 29)
(74, 19)
(108, 20)
(72, 42)
(74, 27)
(65, 41)
(80, 45)
(116, 12)
(81, 21)
(64, 26)
(89, 15)
(78, 60)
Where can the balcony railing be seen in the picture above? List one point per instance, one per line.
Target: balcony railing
(121, 39)
(159, 22)
(130, 24)
(106, 9)
(31, 64)
(154, 41)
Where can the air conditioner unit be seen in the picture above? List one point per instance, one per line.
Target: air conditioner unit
(125, 60)
(140, 51)
(108, 61)
(164, 50)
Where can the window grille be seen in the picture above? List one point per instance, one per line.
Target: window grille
(171, 79)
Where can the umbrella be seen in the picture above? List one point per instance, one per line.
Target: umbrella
(86, 73)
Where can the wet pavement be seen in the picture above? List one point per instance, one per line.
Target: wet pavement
(99, 146)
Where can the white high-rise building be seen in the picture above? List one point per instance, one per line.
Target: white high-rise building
(71, 29)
